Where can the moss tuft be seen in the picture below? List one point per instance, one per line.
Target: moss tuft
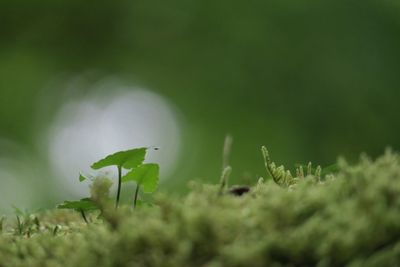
(351, 218)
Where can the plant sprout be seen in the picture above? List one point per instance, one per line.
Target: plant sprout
(128, 159)
(145, 176)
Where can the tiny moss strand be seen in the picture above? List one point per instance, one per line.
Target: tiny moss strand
(267, 162)
(224, 179)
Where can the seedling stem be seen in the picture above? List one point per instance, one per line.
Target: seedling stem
(119, 185)
(84, 216)
(136, 196)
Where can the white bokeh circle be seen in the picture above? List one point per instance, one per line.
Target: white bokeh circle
(89, 128)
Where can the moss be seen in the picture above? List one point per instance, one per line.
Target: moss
(352, 218)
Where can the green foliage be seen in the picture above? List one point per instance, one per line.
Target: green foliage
(85, 204)
(145, 175)
(82, 206)
(350, 218)
(83, 177)
(128, 159)
(131, 159)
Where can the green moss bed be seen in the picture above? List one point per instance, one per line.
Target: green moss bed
(350, 218)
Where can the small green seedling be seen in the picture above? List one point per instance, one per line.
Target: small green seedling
(128, 159)
(81, 206)
(145, 176)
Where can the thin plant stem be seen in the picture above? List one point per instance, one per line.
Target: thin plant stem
(84, 216)
(119, 186)
(136, 196)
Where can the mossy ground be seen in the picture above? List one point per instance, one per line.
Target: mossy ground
(349, 219)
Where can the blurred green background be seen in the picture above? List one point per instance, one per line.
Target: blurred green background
(310, 79)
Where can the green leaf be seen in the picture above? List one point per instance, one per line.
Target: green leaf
(82, 177)
(84, 204)
(146, 175)
(128, 159)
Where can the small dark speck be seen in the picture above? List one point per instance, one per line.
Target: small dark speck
(239, 190)
(156, 148)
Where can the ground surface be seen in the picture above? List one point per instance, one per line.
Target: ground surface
(349, 219)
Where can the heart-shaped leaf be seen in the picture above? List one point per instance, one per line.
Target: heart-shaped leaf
(128, 159)
(146, 175)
